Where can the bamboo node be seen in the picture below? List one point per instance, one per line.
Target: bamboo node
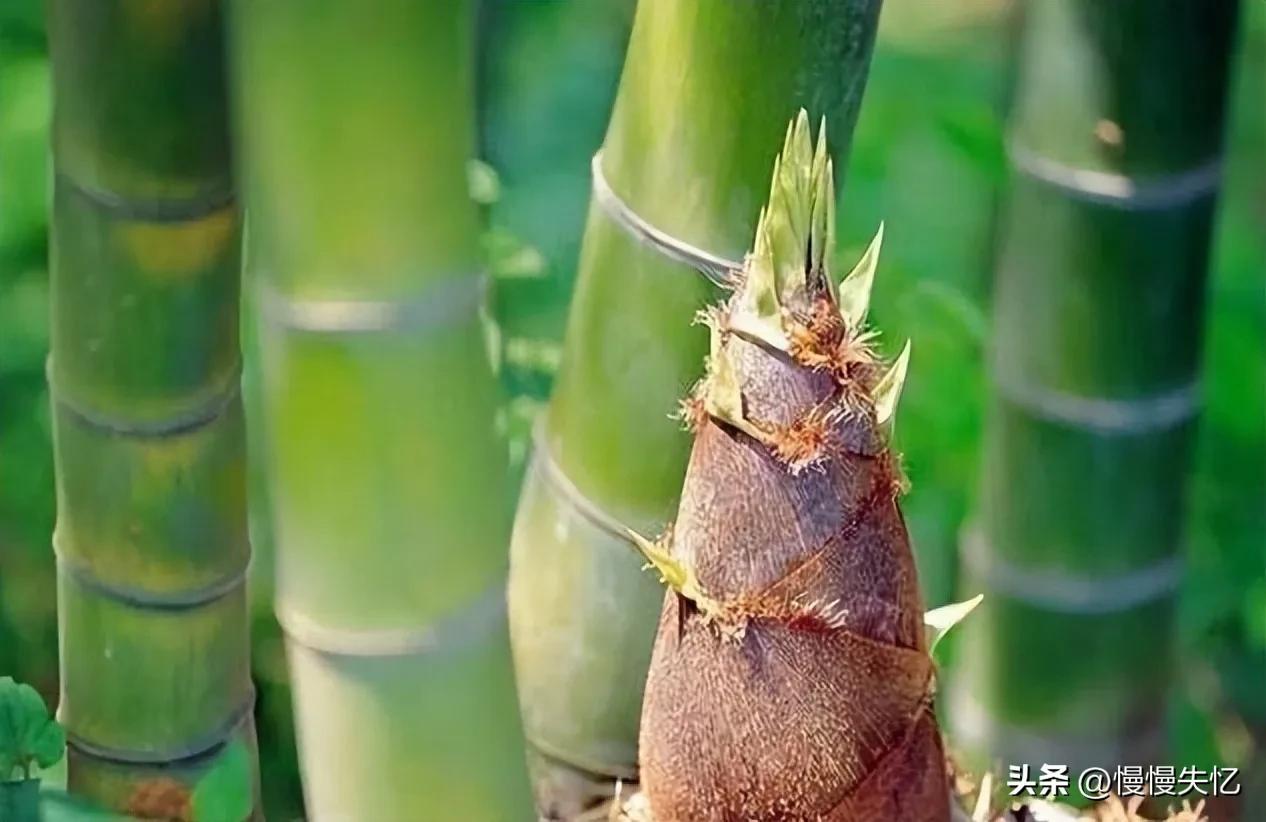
(720, 270)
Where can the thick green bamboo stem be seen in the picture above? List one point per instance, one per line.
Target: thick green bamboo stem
(1116, 140)
(151, 534)
(387, 480)
(705, 90)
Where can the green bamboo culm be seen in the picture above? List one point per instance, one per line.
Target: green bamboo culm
(1115, 141)
(151, 534)
(387, 479)
(705, 89)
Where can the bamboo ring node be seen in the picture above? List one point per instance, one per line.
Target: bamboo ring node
(974, 724)
(1068, 593)
(461, 627)
(443, 304)
(208, 200)
(1109, 416)
(547, 468)
(205, 746)
(150, 600)
(194, 418)
(716, 268)
(1155, 193)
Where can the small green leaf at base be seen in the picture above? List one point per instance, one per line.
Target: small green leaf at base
(29, 737)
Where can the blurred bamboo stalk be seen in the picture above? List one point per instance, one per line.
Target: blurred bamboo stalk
(1116, 143)
(386, 477)
(151, 535)
(705, 91)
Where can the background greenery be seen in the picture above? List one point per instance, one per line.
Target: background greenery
(927, 159)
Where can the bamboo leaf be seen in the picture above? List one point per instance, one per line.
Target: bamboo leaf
(939, 621)
(28, 735)
(888, 389)
(48, 745)
(854, 290)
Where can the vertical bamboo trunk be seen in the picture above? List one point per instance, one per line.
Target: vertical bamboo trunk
(1116, 140)
(387, 481)
(151, 536)
(705, 88)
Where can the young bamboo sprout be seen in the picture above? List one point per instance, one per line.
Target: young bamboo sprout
(686, 155)
(791, 678)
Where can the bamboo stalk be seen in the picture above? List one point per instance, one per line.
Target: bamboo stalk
(387, 482)
(1116, 140)
(696, 124)
(151, 534)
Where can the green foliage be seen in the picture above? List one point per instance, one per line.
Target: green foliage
(224, 793)
(24, 112)
(29, 737)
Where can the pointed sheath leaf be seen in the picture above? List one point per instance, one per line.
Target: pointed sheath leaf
(940, 620)
(854, 291)
(888, 389)
(765, 329)
(822, 220)
(828, 247)
(672, 572)
(819, 151)
(723, 395)
(791, 213)
(786, 144)
(802, 143)
(787, 239)
(755, 312)
(723, 398)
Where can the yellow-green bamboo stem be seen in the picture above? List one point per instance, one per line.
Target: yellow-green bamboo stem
(1116, 141)
(386, 477)
(151, 533)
